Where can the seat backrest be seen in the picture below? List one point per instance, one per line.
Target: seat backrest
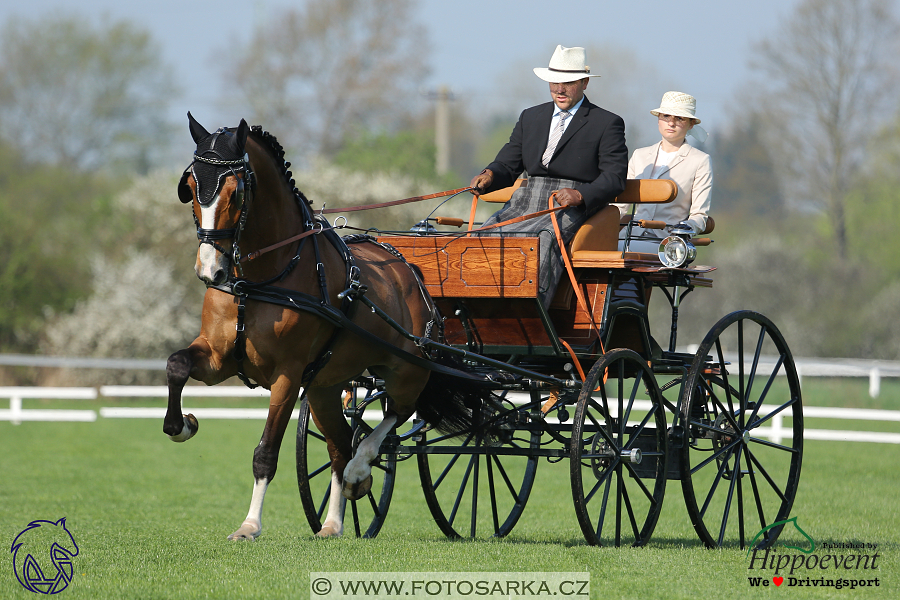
(637, 191)
(601, 231)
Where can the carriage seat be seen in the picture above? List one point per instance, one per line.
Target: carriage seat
(595, 243)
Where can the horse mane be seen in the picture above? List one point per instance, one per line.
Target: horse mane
(276, 151)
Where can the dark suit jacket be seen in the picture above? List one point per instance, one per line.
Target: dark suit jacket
(591, 151)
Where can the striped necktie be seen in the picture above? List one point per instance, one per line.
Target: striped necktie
(554, 138)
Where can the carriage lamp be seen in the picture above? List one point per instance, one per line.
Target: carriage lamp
(677, 249)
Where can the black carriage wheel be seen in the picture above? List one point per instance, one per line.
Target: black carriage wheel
(618, 451)
(742, 424)
(477, 485)
(363, 517)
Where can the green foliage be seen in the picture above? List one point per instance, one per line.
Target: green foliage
(745, 177)
(322, 69)
(52, 219)
(497, 135)
(409, 153)
(83, 96)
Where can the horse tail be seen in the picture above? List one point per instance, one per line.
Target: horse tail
(451, 403)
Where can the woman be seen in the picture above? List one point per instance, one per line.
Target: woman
(672, 158)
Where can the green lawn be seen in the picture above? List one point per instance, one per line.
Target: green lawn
(150, 517)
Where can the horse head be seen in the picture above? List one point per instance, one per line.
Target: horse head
(217, 183)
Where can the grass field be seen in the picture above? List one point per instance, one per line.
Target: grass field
(150, 517)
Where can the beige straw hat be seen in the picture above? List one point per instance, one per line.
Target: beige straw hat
(566, 64)
(677, 104)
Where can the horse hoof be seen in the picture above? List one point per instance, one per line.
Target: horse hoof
(188, 430)
(330, 530)
(355, 491)
(247, 531)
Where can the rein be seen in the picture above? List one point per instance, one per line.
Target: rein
(257, 253)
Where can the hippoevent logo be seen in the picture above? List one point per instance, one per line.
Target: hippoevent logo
(42, 556)
(837, 565)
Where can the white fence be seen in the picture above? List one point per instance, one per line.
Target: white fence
(16, 414)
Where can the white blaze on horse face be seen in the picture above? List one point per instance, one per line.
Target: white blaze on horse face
(210, 261)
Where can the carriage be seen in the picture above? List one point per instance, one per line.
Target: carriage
(581, 381)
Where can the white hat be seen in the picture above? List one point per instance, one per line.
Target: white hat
(566, 64)
(677, 104)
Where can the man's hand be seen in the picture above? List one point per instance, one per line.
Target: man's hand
(569, 197)
(482, 181)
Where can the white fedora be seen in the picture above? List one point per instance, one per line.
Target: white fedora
(677, 104)
(566, 64)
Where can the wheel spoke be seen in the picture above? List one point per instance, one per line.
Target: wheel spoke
(320, 469)
(509, 485)
(770, 444)
(321, 510)
(601, 429)
(762, 397)
(640, 483)
(740, 346)
(604, 477)
(634, 391)
(619, 504)
(712, 489)
(449, 466)
(494, 516)
(740, 493)
(756, 354)
(462, 489)
(603, 506)
(736, 474)
(729, 414)
(767, 477)
(355, 518)
(634, 525)
(771, 414)
(725, 449)
(727, 386)
(474, 496)
(637, 432)
(759, 506)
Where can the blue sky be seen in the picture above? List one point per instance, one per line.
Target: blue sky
(484, 50)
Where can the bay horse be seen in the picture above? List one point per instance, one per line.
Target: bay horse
(276, 319)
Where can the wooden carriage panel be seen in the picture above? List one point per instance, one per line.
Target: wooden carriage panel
(473, 267)
(572, 322)
(494, 322)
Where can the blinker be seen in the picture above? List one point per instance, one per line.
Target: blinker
(184, 190)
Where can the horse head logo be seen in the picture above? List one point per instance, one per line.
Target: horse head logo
(768, 539)
(42, 556)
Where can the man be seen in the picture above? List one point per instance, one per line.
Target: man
(569, 146)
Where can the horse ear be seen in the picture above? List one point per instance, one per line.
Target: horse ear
(197, 130)
(184, 190)
(240, 138)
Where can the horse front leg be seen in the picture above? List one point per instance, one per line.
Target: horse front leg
(200, 362)
(265, 456)
(177, 426)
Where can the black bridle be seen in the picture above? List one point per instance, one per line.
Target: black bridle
(243, 194)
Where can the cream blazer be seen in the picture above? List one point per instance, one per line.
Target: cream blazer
(691, 171)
